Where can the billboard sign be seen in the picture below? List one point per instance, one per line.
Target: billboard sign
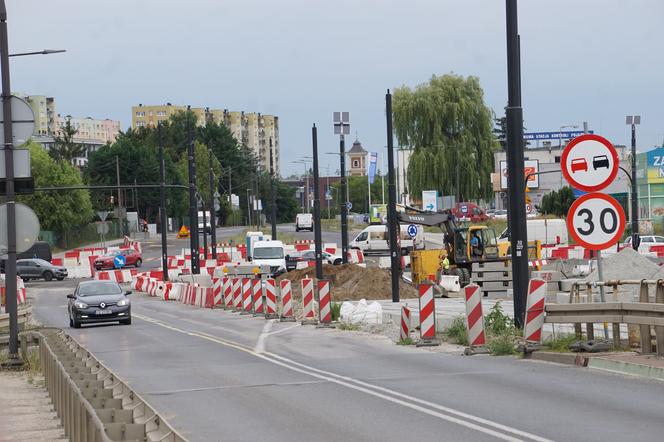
(655, 166)
(530, 166)
(430, 200)
(564, 135)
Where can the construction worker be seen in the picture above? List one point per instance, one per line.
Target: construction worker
(445, 265)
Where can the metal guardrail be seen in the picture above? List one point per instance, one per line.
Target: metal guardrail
(91, 402)
(24, 314)
(643, 313)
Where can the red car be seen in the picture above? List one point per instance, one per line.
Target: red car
(132, 258)
(469, 211)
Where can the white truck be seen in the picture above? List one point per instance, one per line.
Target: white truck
(551, 232)
(373, 239)
(269, 253)
(304, 221)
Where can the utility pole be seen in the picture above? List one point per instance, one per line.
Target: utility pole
(515, 178)
(342, 127)
(317, 232)
(213, 214)
(634, 120)
(273, 187)
(10, 264)
(393, 225)
(117, 176)
(193, 203)
(162, 206)
(249, 207)
(205, 252)
(230, 194)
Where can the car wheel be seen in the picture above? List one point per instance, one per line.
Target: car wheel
(48, 276)
(297, 229)
(126, 321)
(60, 278)
(337, 262)
(75, 323)
(138, 262)
(25, 279)
(71, 323)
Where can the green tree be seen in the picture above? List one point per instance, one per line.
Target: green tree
(64, 147)
(358, 192)
(557, 202)
(57, 210)
(448, 125)
(202, 170)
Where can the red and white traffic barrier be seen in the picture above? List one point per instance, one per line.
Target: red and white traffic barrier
(405, 323)
(227, 287)
(218, 295)
(119, 276)
(474, 316)
(258, 296)
(324, 302)
(286, 301)
(308, 301)
(270, 298)
(246, 296)
(427, 316)
(355, 256)
(532, 331)
(237, 294)
(537, 263)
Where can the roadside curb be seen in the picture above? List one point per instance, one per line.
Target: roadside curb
(559, 358)
(627, 368)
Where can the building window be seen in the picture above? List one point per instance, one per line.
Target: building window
(140, 123)
(140, 114)
(161, 113)
(356, 164)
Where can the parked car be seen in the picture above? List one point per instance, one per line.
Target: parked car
(469, 211)
(39, 269)
(98, 301)
(132, 258)
(40, 249)
(373, 239)
(310, 255)
(647, 241)
(500, 214)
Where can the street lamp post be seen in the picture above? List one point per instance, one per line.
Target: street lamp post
(213, 214)
(10, 194)
(305, 198)
(341, 128)
(634, 120)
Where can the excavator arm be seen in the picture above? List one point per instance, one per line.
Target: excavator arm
(445, 220)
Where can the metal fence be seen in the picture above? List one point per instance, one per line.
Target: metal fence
(644, 314)
(91, 402)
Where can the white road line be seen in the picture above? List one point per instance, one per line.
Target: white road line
(260, 344)
(464, 419)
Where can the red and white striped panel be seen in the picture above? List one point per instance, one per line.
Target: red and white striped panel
(427, 313)
(246, 295)
(474, 316)
(324, 302)
(405, 323)
(355, 256)
(308, 298)
(227, 288)
(286, 299)
(257, 288)
(270, 297)
(537, 263)
(532, 331)
(237, 294)
(218, 295)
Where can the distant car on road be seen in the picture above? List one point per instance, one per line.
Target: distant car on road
(39, 269)
(98, 301)
(310, 255)
(579, 164)
(647, 241)
(132, 258)
(304, 221)
(500, 214)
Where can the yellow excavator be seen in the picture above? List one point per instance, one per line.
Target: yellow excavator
(463, 245)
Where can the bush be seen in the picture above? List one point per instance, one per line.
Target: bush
(457, 332)
(502, 345)
(335, 311)
(561, 343)
(497, 322)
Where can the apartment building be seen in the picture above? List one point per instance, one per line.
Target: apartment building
(44, 109)
(253, 130)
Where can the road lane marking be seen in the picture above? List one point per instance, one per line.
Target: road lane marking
(444, 413)
(260, 344)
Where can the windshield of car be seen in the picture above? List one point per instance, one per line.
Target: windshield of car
(41, 262)
(268, 253)
(99, 288)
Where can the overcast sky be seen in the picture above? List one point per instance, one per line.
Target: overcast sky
(593, 60)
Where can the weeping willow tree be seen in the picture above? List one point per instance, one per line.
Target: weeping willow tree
(449, 127)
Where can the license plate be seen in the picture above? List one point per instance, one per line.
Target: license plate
(103, 312)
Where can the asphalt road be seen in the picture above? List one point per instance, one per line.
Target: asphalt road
(220, 376)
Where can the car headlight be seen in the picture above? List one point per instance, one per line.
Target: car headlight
(79, 304)
(123, 302)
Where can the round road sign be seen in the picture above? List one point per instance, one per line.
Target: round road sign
(412, 230)
(589, 162)
(349, 205)
(529, 208)
(119, 261)
(596, 221)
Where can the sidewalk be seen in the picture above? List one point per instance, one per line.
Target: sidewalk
(27, 412)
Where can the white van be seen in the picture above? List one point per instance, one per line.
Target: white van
(373, 239)
(304, 221)
(269, 253)
(551, 232)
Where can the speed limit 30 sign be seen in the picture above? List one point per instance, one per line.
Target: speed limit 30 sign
(596, 221)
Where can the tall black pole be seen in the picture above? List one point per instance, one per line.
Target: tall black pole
(515, 177)
(344, 207)
(162, 206)
(10, 264)
(213, 214)
(395, 252)
(273, 189)
(317, 233)
(205, 252)
(193, 204)
(635, 201)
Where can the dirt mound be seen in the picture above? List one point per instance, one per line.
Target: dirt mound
(353, 282)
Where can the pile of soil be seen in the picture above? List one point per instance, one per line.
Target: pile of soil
(352, 282)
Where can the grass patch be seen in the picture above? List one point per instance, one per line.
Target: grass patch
(335, 310)
(348, 326)
(406, 341)
(502, 345)
(501, 333)
(457, 332)
(561, 343)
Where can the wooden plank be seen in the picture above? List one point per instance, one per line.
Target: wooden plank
(571, 319)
